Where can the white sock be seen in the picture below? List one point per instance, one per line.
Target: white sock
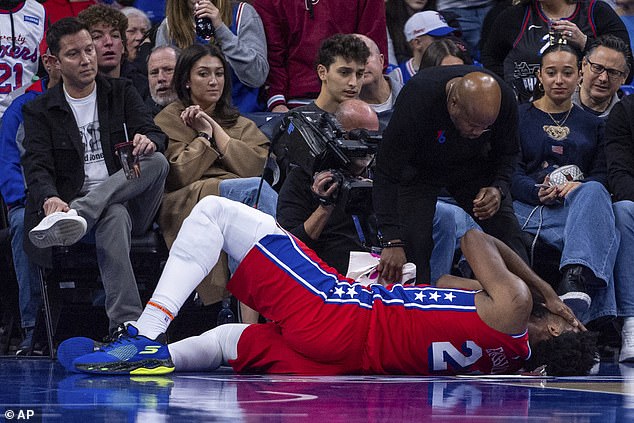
(207, 351)
(628, 324)
(154, 320)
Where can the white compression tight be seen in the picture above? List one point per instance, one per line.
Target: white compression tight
(214, 224)
(207, 351)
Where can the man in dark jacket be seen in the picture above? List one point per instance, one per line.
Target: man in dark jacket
(75, 182)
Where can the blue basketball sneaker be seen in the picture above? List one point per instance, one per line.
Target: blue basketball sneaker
(73, 348)
(131, 354)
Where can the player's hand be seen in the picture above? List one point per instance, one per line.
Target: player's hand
(556, 306)
(54, 204)
(391, 264)
(487, 202)
(142, 145)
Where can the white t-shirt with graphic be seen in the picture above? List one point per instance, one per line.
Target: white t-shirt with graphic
(87, 117)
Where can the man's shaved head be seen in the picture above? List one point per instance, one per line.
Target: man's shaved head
(473, 102)
(354, 113)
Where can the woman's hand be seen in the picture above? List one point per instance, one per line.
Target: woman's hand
(571, 32)
(548, 195)
(567, 188)
(198, 120)
(206, 9)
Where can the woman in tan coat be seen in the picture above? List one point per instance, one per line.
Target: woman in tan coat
(212, 150)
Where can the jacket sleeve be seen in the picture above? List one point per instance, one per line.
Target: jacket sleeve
(500, 39)
(246, 151)
(277, 46)
(11, 176)
(246, 52)
(295, 204)
(371, 22)
(505, 143)
(395, 150)
(38, 162)
(139, 120)
(619, 150)
(188, 162)
(598, 169)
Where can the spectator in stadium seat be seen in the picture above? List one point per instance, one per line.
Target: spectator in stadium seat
(160, 70)
(108, 30)
(604, 69)
(574, 216)
(239, 33)
(397, 12)
(212, 150)
(521, 32)
(294, 32)
(137, 34)
(444, 52)
(13, 192)
(378, 90)
(420, 31)
(75, 181)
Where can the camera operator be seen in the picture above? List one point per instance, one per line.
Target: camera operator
(307, 206)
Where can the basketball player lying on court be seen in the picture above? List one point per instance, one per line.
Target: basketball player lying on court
(324, 324)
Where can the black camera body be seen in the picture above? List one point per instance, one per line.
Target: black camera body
(315, 141)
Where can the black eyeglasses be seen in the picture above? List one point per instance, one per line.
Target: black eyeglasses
(599, 69)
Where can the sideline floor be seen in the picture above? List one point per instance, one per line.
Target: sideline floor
(51, 394)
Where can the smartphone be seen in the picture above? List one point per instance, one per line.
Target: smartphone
(542, 185)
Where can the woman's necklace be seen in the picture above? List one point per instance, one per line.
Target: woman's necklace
(558, 131)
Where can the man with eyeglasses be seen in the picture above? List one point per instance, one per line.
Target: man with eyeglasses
(604, 69)
(453, 127)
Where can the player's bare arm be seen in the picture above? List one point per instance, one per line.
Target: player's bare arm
(506, 303)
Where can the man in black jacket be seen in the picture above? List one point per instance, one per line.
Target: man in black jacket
(75, 182)
(453, 127)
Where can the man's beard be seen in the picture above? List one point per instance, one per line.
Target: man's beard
(164, 98)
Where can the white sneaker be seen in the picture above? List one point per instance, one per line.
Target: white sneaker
(59, 228)
(627, 346)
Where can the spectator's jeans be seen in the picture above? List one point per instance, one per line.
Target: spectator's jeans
(471, 19)
(450, 224)
(623, 271)
(583, 229)
(30, 296)
(245, 190)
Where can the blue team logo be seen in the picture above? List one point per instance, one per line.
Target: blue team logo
(440, 137)
(32, 19)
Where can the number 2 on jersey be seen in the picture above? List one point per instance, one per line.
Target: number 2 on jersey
(443, 353)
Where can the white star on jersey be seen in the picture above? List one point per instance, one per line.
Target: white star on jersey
(351, 291)
(339, 291)
(419, 296)
(449, 296)
(434, 296)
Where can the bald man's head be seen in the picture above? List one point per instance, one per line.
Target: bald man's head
(357, 114)
(473, 102)
(354, 114)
